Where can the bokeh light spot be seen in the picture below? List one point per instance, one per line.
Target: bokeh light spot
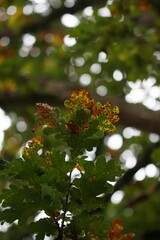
(11, 10)
(4, 41)
(104, 12)
(117, 75)
(69, 41)
(117, 197)
(85, 79)
(21, 126)
(95, 68)
(28, 9)
(101, 91)
(140, 175)
(70, 20)
(114, 142)
(151, 171)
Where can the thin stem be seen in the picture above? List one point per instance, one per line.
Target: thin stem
(56, 222)
(60, 229)
(67, 198)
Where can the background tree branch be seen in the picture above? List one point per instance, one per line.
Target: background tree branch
(144, 195)
(127, 178)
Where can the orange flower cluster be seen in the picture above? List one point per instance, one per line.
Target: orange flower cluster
(73, 127)
(48, 159)
(48, 153)
(36, 142)
(78, 123)
(32, 151)
(78, 167)
(79, 99)
(145, 6)
(83, 113)
(116, 232)
(92, 237)
(33, 146)
(107, 116)
(26, 153)
(45, 114)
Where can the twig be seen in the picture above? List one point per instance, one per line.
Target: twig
(144, 195)
(56, 222)
(67, 197)
(60, 235)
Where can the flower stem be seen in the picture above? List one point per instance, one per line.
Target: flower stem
(60, 235)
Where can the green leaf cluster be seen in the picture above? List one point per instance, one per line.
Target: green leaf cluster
(60, 181)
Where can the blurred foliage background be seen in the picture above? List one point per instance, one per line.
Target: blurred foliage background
(111, 48)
